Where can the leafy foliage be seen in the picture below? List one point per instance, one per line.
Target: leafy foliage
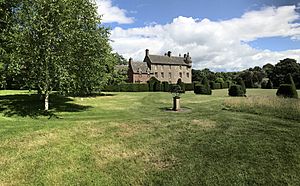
(242, 84)
(283, 68)
(203, 88)
(236, 90)
(287, 91)
(181, 84)
(61, 45)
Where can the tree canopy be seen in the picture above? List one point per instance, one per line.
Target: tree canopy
(60, 45)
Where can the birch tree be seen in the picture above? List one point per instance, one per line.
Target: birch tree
(60, 44)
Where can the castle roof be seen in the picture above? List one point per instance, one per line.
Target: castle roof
(166, 60)
(139, 67)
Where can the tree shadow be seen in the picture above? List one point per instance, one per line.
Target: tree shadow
(94, 95)
(30, 105)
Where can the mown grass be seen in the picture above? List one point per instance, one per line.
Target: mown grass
(129, 139)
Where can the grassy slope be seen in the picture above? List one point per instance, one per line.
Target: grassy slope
(129, 139)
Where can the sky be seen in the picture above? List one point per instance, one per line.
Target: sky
(220, 35)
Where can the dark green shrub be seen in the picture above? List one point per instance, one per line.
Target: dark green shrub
(212, 85)
(189, 86)
(176, 89)
(154, 84)
(181, 84)
(196, 83)
(202, 89)
(143, 88)
(242, 84)
(205, 81)
(249, 83)
(236, 90)
(127, 87)
(112, 88)
(165, 86)
(157, 86)
(287, 91)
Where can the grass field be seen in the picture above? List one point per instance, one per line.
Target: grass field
(129, 139)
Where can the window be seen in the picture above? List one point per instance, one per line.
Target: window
(170, 67)
(180, 67)
(162, 67)
(155, 67)
(187, 74)
(156, 74)
(162, 75)
(180, 74)
(170, 75)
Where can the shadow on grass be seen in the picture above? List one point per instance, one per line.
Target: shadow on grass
(94, 95)
(30, 105)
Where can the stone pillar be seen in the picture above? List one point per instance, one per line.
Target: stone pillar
(176, 103)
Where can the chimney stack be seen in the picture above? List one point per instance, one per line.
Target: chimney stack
(169, 53)
(147, 52)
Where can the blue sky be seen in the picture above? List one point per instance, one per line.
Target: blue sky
(162, 22)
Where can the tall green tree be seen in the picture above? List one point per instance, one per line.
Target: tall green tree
(282, 69)
(60, 44)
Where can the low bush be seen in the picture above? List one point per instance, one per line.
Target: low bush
(287, 91)
(202, 89)
(236, 90)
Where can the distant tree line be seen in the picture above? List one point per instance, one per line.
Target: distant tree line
(267, 76)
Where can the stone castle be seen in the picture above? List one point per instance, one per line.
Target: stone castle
(166, 68)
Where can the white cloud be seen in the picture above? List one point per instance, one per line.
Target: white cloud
(112, 13)
(215, 45)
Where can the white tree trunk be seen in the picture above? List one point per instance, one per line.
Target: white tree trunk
(46, 101)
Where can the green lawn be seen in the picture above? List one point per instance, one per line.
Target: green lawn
(129, 139)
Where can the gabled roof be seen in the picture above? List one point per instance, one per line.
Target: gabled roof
(156, 59)
(139, 67)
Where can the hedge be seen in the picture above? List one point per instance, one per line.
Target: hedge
(154, 86)
(165, 86)
(202, 89)
(128, 87)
